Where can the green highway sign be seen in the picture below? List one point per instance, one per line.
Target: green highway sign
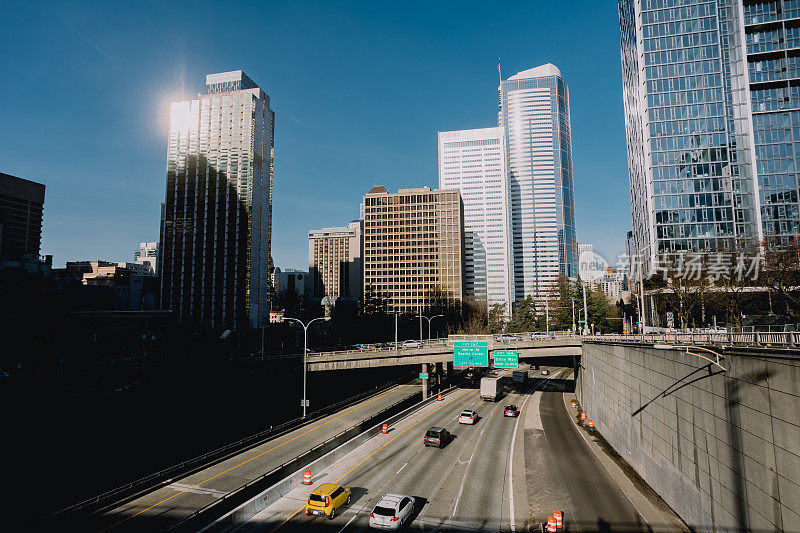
(506, 359)
(423, 375)
(471, 353)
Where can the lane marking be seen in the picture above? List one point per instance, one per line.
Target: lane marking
(376, 451)
(355, 515)
(511, 515)
(464, 479)
(401, 469)
(252, 458)
(469, 463)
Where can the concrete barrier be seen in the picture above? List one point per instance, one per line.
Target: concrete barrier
(722, 448)
(342, 445)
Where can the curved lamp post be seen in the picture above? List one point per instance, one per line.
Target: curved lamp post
(305, 351)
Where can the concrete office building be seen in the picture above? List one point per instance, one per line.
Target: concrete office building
(217, 218)
(147, 254)
(473, 161)
(413, 246)
(534, 115)
(289, 280)
(21, 206)
(335, 262)
(711, 93)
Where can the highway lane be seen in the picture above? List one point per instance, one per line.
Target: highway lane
(594, 500)
(464, 486)
(166, 505)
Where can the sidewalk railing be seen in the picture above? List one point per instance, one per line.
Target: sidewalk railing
(788, 339)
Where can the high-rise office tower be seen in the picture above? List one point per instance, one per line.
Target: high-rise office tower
(217, 217)
(534, 115)
(473, 161)
(147, 254)
(21, 205)
(413, 246)
(772, 37)
(335, 261)
(708, 91)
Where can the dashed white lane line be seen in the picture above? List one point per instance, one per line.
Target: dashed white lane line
(511, 517)
(401, 469)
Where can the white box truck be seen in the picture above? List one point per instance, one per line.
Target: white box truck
(490, 388)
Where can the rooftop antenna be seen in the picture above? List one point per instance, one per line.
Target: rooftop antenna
(499, 72)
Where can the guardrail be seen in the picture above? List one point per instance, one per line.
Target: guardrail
(788, 339)
(233, 499)
(153, 481)
(442, 341)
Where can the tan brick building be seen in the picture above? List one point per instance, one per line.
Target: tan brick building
(335, 262)
(413, 244)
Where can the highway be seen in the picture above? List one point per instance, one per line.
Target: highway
(471, 484)
(165, 506)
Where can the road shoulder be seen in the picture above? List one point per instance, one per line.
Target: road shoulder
(658, 515)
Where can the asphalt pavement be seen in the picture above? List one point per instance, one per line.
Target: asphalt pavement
(464, 486)
(165, 506)
(501, 474)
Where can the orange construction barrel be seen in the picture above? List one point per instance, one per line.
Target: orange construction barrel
(574, 404)
(385, 428)
(590, 424)
(551, 524)
(583, 415)
(439, 398)
(559, 516)
(307, 477)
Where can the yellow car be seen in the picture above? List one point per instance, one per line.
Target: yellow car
(325, 499)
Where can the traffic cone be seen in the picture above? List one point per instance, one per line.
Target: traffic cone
(307, 477)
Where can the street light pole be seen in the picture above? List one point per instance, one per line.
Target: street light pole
(585, 309)
(573, 316)
(429, 323)
(641, 288)
(305, 351)
(547, 316)
(420, 324)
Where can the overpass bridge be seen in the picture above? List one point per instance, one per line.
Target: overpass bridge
(441, 351)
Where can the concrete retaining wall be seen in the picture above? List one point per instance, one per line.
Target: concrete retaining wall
(721, 448)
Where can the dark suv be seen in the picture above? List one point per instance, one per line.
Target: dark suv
(436, 436)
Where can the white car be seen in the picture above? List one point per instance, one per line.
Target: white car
(412, 344)
(468, 417)
(392, 512)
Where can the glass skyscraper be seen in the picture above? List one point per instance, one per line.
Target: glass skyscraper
(711, 93)
(217, 216)
(534, 115)
(772, 34)
(473, 161)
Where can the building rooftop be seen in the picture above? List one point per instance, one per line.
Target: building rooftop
(548, 69)
(223, 82)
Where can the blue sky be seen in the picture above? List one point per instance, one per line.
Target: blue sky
(359, 90)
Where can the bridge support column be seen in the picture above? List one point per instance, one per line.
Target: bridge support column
(425, 382)
(439, 377)
(449, 372)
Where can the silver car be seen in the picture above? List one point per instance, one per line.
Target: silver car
(392, 512)
(412, 344)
